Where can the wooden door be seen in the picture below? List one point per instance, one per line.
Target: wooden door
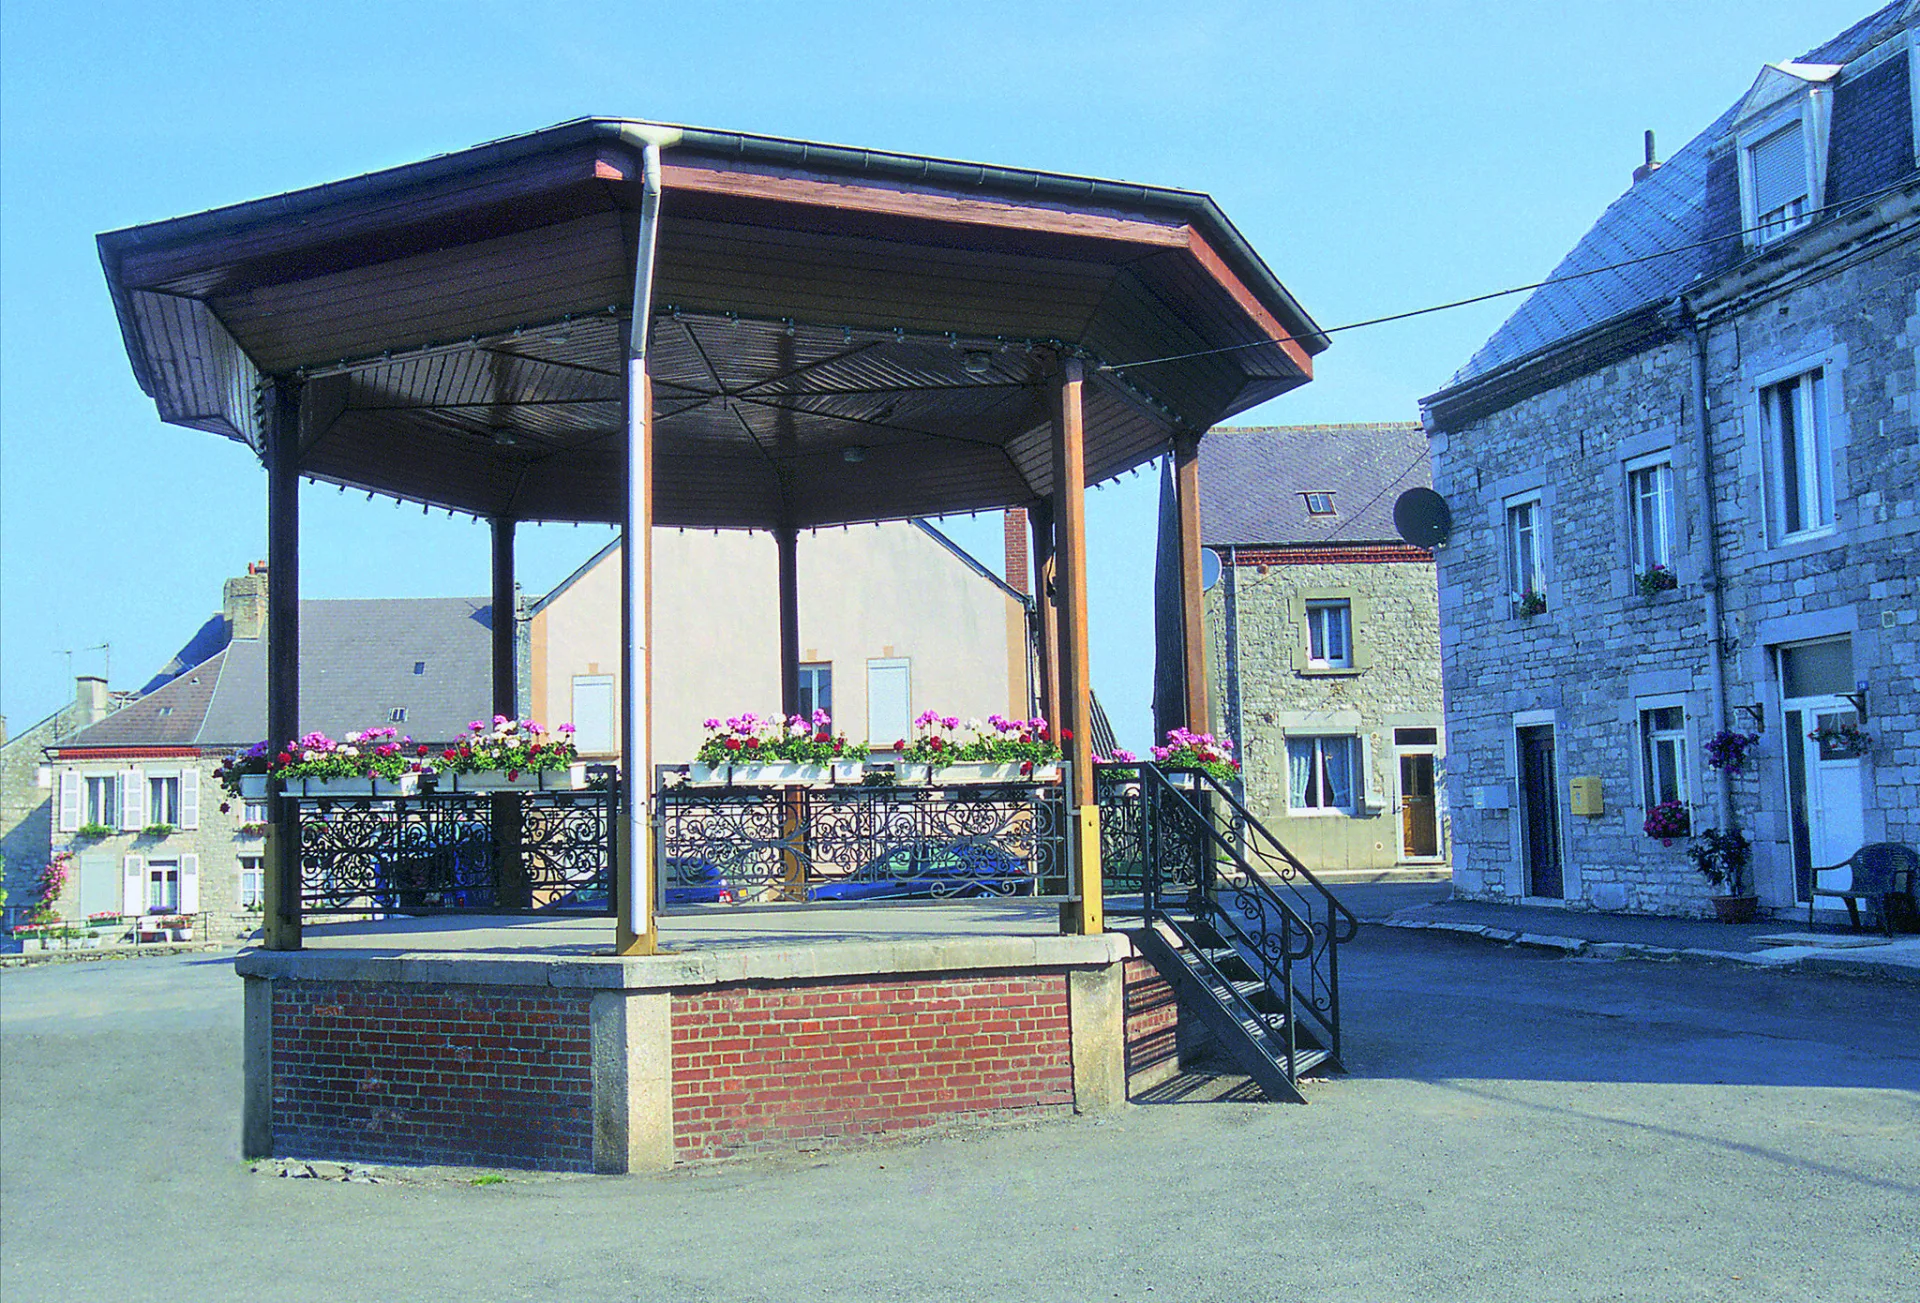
(1419, 819)
(1540, 813)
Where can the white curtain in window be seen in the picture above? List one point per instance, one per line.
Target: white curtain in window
(1337, 755)
(1299, 769)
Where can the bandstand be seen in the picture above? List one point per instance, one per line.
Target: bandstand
(633, 323)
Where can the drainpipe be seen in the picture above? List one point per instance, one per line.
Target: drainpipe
(1710, 578)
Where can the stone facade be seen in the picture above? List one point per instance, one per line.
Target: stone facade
(27, 788)
(1602, 659)
(1257, 622)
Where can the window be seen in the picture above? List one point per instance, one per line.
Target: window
(816, 688)
(163, 799)
(1663, 745)
(1793, 417)
(419, 667)
(1650, 514)
(1416, 737)
(1329, 635)
(593, 721)
(398, 715)
(1777, 178)
(253, 812)
(1320, 773)
(102, 807)
(163, 886)
(1319, 504)
(1526, 554)
(253, 883)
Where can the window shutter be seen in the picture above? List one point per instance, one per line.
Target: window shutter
(132, 901)
(189, 884)
(1779, 170)
(69, 800)
(1365, 790)
(190, 797)
(133, 800)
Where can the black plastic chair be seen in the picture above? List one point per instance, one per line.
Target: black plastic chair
(1883, 873)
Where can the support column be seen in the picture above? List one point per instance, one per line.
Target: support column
(633, 883)
(787, 538)
(510, 887)
(1193, 628)
(1086, 914)
(281, 907)
(1045, 614)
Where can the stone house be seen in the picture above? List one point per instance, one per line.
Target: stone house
(1324, 639)
(894, 619)
(26, 789)
(1683, 497)
(133, 799)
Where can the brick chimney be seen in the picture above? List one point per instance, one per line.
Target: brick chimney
(91, 703)
(244, 602)
(1018, 570)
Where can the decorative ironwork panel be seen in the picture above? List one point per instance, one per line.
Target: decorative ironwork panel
(963, 841)
(451, 851)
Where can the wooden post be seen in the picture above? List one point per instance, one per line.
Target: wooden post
(636, 933)
(1045, 613)
(280, 910)
(1086, 914)
(510, 884)
(787, 538)
(1193, 628)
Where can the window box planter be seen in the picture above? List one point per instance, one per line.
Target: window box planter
(253, 787)
(569, 779)
(781, 774)
(405, 785)
(992, 772)
(708, 775)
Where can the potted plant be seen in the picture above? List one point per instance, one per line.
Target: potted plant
(1722, 857)
(1727, 750)
(512, 754)
(1667, 821)
(92, 832)
(1529, 603)
(1842, 741)
(1655, 580)
(1000, 750)
(1185, 749)
(244, 776)
(767, 750)
(373, 762)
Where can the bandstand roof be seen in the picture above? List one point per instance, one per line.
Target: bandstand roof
(838, 334)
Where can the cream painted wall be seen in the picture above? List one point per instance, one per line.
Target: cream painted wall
(867, 592)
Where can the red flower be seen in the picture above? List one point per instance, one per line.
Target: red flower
(1066, 735)
(823, 736)
(753, 744)
(899, 744)
(936, 743)
(513, 775)
(225, 808)
(284, 758)
(423, 749)
(448, 754)
(732, 744)
(1026, 766)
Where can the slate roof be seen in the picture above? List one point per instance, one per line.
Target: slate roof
(1252, 479)
(356, 664)
(1694, 200)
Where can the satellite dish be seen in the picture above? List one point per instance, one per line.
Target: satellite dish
(1209, 567)
(1422, 517)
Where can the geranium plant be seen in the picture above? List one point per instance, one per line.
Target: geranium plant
(943, 740)
(1839, 741)
(1656, 579)
(750, 738)
(1185, 749)
(1728, 750)
(256, 759)
(1529, 602)
(510, 746)
(1667, 821)
(373, 753)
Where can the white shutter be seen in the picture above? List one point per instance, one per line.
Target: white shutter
(1779, 170)
(190, 797)
(1364, 787)
(889, 701)
(189, 885)
(133, 800)
(132, 899)
(69, 800)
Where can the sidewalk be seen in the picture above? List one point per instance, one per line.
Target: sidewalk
(1774, 944)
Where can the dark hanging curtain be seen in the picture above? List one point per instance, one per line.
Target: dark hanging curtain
(1169, 664)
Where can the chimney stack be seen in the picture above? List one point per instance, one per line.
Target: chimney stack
(1649, 167)
(1016, 541)
(90, 700)
(244, 602)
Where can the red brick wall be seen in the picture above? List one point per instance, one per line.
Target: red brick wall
(496, 1076)
(1158, 1038)
(763, 1068)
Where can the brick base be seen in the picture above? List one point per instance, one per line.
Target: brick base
(1160, 1036)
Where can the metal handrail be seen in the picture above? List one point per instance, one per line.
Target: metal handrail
(1247, 818)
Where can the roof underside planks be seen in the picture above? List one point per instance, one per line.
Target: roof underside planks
(825, 347)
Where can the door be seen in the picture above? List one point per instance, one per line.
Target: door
(1825, 796)
(1539, 813)
(1419, 818)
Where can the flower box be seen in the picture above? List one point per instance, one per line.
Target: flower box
(707, 775)
(781, 774)
(253, 787)
(848, 773)
(569, 779)
(906, 775)
(995, 772)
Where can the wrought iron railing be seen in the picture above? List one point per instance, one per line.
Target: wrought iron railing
(444, 852)
(1193, 848)
(742, 844)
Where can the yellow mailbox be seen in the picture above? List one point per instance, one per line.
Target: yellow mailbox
(1585, 795)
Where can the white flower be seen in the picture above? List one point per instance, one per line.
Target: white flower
(351, 737)
(350, 751)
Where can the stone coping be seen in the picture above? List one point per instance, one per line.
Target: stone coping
(705, 967)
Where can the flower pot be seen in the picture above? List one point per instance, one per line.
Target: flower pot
(977, 771)
(906, 775)
(527, 780)
(849, 773)
(780, 774)
(253, 787)
(182, 933)
(707, 775)
(1735, 909)
(330, 786)
(405, 785)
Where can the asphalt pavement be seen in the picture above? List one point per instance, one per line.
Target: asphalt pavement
(1517, 1125)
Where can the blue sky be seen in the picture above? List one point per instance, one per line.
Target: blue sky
(1381, 156)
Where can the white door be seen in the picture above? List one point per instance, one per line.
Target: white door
(889, 701)
(1825, 796)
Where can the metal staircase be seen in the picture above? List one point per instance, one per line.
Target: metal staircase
(1247, 936)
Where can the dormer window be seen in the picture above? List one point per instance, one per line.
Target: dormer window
(1780, 136)
(1319, 504)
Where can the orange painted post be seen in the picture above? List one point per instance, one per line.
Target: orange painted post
(1047, 653)
(1086, 914)
(1193, 626)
